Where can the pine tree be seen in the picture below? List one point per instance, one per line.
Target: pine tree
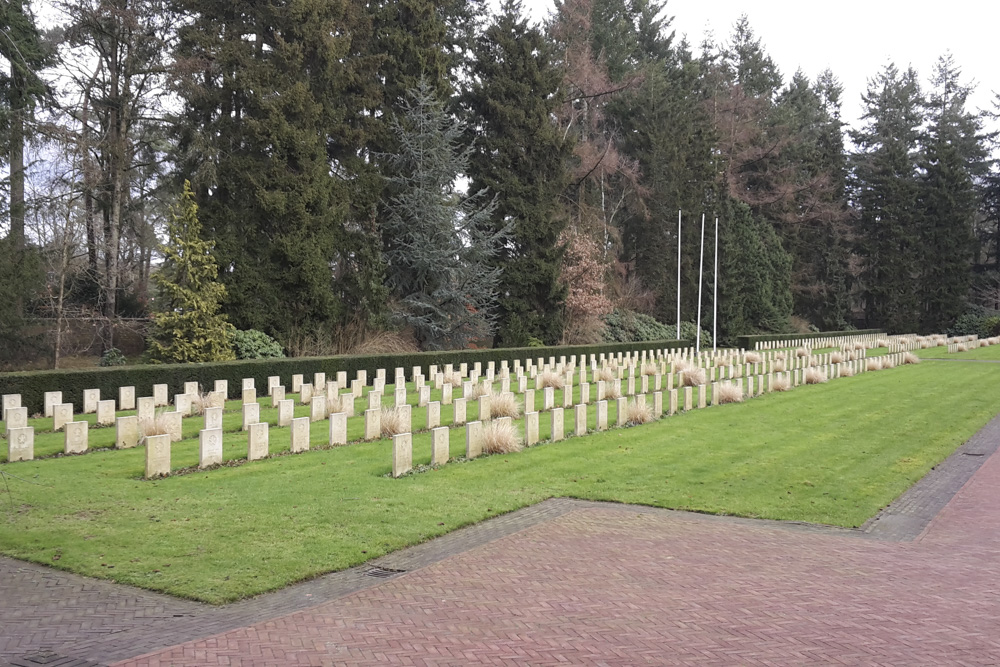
(187, 325)
(272, 140)
(885, 192)
(953, 159)
(520, 157)
(441, 247)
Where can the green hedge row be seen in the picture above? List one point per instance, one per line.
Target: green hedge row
(748, 342)
(33, 385)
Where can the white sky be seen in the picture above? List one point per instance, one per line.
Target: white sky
(854, 38)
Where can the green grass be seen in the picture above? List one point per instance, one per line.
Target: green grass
(833, 453)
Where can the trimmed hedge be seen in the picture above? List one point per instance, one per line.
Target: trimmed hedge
(747, 342)
(32, 385)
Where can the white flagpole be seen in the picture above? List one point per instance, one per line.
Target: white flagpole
(678, 274)
(715, 295)
(701, 267)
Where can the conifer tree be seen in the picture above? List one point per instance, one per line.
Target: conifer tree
(187, 325)
(952, 160)
(519, 157)
(440, 246)
(885, 191)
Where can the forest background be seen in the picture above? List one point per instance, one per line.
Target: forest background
(404, 174)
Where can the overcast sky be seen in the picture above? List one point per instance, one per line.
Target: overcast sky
(854, 38)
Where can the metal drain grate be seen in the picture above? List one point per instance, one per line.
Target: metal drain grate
(382, 572)
(974, 453)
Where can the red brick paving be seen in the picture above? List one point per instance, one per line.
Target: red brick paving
(623, 586)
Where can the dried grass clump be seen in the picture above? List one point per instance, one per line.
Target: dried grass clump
(846, 372)
(836, 358)
(500, 437)
(910, 358)
(815, 376)
(693, 377)
(504, 405)
(612, 391)
(393, 421)
(720, 362)
(728, 392)
(860, 346)
(481, 389)
(882, 342)
(199, 402)
(334, 403)
(454, 379)
(984, 343)
(813, 361)
(637, 412)
(550, 379)
(780, 355)
(752, 358)
(682, 365)
(961, 347)
(778, 366)
(781, 383)
(155, 426)
(887, 362)
(803, 352)
(924, 345)
(385, 342)
(606, 374)
(873, 365)
(650, 369)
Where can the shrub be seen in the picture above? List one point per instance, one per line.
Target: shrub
(815, 376)
(693, 377)
(961, 347)
(504, 405)
(723, 361)
(535, 342)
(626, 326)
(873, 365)
(500, 437)
(550, 379)
(846, 372)
(728, 392)
(682, 365)
(781, 383)
(887, 362)
(778, 366)
(836, 358)
(650, 368)
(752, 358)
(803, 352)
(910, 358)
(393, 421)
(253, 344)
(112, 357)
(637, 412)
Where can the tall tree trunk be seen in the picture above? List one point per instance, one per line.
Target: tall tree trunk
(18, 104)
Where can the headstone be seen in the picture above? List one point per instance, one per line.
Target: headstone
(473, 439)
(581, 420)
(9, 401)
(272, 382)
(446, 390)
(75, 437)
(459, 411)
(257, 441)
(248, 383)
(402, 454)
(222, 386)
(688, 398)
(673, 402)
(400, 394)
(702, 399)
(341, 378)
(126, 398)
(157, 456)
(209, 447)
(363, 377)
(602, 415)
(557, 424)
(126, 432)
(530, 428)
(62, 414)
(16, 418)
(374, 400)
(299, 437)
(306, 393)
(338, 428)
(568, 396)
(161, 396)
(251, 415)
(602, 390)
(440, 445)
(347, 404)
(286, 412)
(145, 409)
(657, 404)
(182, 404)
(373, 424)
(423, 396)
(548, 398)
(319, 383)
(213, 418)
(433, 414)
(277, 395)
(585, 392)
(529, 400)
(356, 388)
(90, 399)
(191, 388)
(52, 399)
(622, 409)
(317, 409)
(20, 444)
(296, 383)
(249, 396)
(172, 425)
(484, 408)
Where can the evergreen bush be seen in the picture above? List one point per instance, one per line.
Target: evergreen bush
(254, 344)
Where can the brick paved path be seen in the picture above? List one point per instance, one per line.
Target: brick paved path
(574, 582)
(622, 585)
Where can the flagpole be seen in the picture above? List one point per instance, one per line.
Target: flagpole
(715, 294)
(701, 268)
(678, 274)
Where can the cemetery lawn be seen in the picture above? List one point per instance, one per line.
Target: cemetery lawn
(991, 353)
(832, 454)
